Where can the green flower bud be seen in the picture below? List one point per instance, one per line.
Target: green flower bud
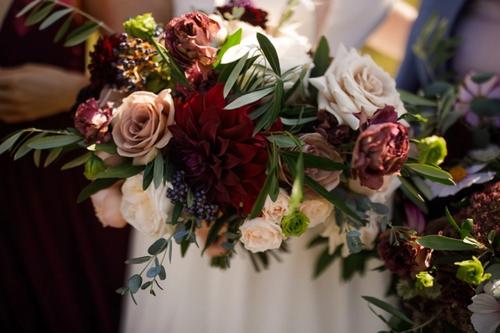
(294, 224)
(472, 271)
(142, 26)
(93, 166)
(432, 150)
(424, 280)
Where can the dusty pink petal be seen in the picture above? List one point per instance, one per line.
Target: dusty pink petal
(107, 206)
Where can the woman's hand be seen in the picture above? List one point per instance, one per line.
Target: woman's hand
(35, 91)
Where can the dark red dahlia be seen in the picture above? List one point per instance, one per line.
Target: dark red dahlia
(217, 151)
(252, 15)
(102, 60)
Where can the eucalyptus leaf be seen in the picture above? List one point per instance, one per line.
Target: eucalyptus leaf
(134, 283)
(442, 243)
(158, 246)
(54, 141)
(159, 164)
(54, 17)
(269, 52)
(153, 272)
(138, 260)
(249, 98)
(80, 160)
(81, 34)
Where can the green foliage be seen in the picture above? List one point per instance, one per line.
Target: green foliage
(93, 167)
(121, 171)
(269, 52)
(472, 271)
(431, 172)
(443, 243)
(387, 308)
(232, 40)
(141, 26)
(94, 187)
(432, 150)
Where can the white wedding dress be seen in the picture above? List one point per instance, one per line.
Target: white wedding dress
(284, 298)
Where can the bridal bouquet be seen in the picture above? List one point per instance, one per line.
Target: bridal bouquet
(221, 131)
(444, 245)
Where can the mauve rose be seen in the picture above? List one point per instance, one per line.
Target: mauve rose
(316, 144)
(189, 38)
(380, 150)
(93, 122)
(140, 126)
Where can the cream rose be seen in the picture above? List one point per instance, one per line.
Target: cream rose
(317, 209)
(275, 210)
(259, 235)
(107, 206)
(315, 144)
(147, 211)
(140, 125)
(354, 87)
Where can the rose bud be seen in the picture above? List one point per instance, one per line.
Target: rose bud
(93, 122)
(189, 38)
(380, 150)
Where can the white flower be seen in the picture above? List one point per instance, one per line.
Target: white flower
(485, 309)
(463, 179)
(259, 235)
(275, 211)
(147, 211)
(317, 209)
(485, 154)
(354, 87)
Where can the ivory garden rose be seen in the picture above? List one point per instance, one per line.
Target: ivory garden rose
(140, 125)
(275, 210)
(354, 87)
(260, 234)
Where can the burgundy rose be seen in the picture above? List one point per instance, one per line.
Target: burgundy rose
(93, 122)
(217, 150)
(188, 38)
(252, 15)
(380, 150)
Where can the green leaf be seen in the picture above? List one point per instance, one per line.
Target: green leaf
(232, 40)
(138, 260)
(158, 170)
(122, 171)
(39, 14)
(413, 194)
(177, 212)
(415, 100)
(25, 148)
(486, 107)
(282, 141)
(297, 122)
(388, 308)
(297, 194)
(134, 283)
(321, 58)
(442, 243)
(54, 17)
(63, 29)
(109, 147)
(158, 246)
(54, 141)
(80, 160)
(10, 141)
(233, 77)
(81, 34)
(53, 155)
(94, 187)
(148, 175)
(269, 52)
(27, 8)
(451, 220)
(431, 172)
(261, 198)
(318, 162)
(37, 155)
(249, 98)
(324, 260)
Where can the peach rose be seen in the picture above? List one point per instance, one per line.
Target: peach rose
(259, 235)
(140, 126)
(275, 210)
(317, 209)
(107, 206)
(315, 144)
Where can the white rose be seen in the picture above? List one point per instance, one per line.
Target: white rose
(147, 211)
(317, 209)
(275, 210)
(259, 235)
(354, 87)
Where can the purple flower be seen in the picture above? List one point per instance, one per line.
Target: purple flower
(414, 218)
(93, 122)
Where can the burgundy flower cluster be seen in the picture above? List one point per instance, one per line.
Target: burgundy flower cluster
(252, 15)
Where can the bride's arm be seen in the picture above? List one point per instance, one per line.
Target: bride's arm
(391, 36)
(114, 12)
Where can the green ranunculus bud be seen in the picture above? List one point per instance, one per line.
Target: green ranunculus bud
(294, 224)
(142, 26)
(472, 271)
(424, 280)
(93, 166)
(432, 150)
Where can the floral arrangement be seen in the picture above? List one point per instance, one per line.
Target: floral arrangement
(221, 131)
(443, 245)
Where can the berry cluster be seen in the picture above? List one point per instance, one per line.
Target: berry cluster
(196, 205)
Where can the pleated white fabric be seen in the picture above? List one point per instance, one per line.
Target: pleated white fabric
(283, 299)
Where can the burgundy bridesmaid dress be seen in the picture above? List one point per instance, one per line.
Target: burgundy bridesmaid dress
(60, 267)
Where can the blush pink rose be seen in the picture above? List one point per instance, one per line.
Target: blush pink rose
(107, 206)
(140, 126)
